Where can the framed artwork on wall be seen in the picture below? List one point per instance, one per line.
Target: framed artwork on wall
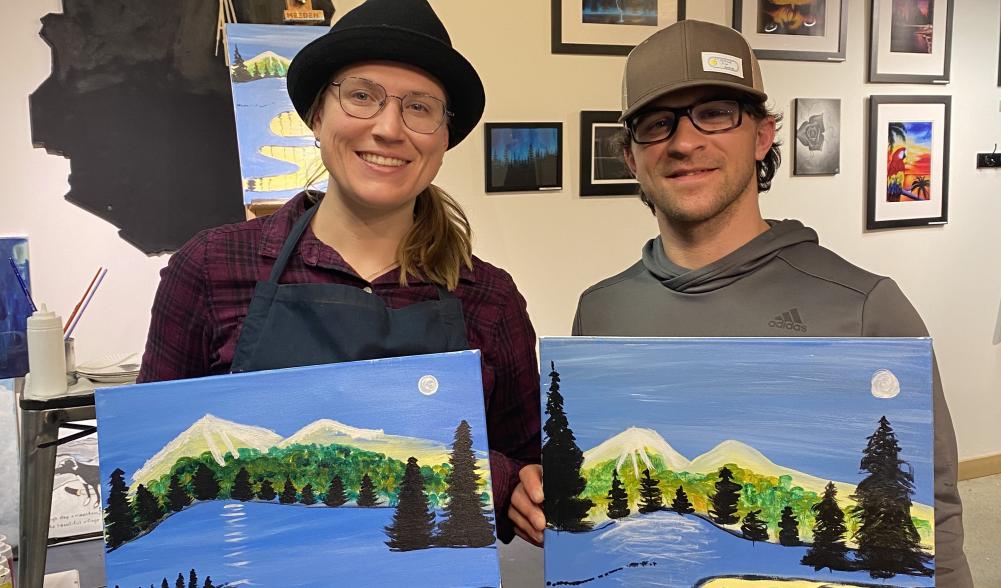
(805, 30)
(818, 137)
(910, 41)
(602, 171)
(609, 27)
(523, 157)
(908, 161)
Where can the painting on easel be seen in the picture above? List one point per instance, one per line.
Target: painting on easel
(14, 308)
(376, 469)
(738, 462)
(277, 154)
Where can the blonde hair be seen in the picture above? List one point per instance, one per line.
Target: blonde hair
(440, 242)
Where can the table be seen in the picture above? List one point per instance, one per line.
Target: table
(40, 422)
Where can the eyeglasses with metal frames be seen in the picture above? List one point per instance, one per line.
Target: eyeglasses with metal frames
(362, 98)
(659, 124)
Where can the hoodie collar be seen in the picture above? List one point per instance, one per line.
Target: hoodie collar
(725, 271)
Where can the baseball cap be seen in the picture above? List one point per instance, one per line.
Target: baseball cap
(688, 54)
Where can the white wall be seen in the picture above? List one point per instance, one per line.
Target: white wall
(556, 244)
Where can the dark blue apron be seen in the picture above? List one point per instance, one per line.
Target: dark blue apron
(291, 325)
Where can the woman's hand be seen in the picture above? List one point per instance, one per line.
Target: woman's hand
(526, 505)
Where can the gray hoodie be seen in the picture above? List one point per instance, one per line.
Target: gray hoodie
(782, 283)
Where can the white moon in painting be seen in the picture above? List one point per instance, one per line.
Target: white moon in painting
(428, 385)
(885, 384)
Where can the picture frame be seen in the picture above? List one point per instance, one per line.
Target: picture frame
(905, 47)
(908, 161)
(523, 156)
(817, 137)
(582, 27)
(815, 31)
(602, 171)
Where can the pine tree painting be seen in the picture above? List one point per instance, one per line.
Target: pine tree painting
(760, 461)
(374, 472)
(413, 521)
(888, 542)
(562, 458)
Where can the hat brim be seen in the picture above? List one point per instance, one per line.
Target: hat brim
(312, 67)
(658, 93)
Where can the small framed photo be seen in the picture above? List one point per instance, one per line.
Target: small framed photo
(805, 30)
(817, 137)
(908, 161)
(609, 27)
(524, 157)
(602, 170)
(910, 41)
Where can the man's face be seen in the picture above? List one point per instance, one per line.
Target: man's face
(692, 177)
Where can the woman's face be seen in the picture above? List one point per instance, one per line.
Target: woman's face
(379, 163)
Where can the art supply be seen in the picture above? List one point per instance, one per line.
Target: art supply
(46, 355)
(20, 280)
(86, 302)
(82, 298)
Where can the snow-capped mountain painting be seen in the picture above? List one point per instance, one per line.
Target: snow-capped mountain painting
(373, 468)
(738, 462)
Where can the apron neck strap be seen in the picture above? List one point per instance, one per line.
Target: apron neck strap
(291, 241)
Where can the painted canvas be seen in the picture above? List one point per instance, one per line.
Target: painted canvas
(14, 308)
(818, 136)
(277, 154)
(76, 489)
(792, 17)
(908, 161)
(524, 156)
(912, 26)
(624, 12)
(375, 471)
(738, 462)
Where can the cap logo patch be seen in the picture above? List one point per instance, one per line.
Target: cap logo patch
(723, 63)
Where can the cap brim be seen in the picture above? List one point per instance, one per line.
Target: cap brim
(660, 92)
(312, 67)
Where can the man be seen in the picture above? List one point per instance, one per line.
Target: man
(702, 145)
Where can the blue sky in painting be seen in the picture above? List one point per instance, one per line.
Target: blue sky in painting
(134, 422)
(284, 40)
(918, 132)
(518, 140)
(804, 403)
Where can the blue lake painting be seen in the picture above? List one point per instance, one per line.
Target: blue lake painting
(277, 154)
(738, 462)
(14, 308)
(375, 470)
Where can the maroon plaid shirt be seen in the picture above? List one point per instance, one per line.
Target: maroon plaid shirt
(207, 285)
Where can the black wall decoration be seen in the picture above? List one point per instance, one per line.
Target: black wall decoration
(141, 106)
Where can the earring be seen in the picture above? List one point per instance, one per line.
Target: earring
(316, 141)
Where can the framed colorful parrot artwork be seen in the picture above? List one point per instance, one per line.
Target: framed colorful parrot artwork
(908, 161)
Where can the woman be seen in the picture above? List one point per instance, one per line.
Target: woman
(380, 265)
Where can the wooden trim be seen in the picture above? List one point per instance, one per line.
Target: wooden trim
(979, 467)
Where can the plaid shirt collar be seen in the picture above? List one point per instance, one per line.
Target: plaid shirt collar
(275, 230)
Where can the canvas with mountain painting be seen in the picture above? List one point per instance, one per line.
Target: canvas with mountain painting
(277, 153)
(375, 471)
(755, 462)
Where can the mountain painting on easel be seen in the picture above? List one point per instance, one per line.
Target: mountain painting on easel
(374, 471)
(738, 463)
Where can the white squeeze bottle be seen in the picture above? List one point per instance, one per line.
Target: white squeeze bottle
(46, 355)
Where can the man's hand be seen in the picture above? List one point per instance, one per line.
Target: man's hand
(526, 505)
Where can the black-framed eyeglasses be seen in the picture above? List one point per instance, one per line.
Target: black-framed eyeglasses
(361, 98)
(711, 117)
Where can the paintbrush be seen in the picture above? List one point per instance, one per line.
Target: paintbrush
(24, 287)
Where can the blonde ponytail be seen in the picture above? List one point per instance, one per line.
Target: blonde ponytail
(439, 243)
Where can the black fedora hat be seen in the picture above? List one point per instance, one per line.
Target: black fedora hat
(407, 31)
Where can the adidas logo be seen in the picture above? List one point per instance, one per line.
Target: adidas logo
(789, 319)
